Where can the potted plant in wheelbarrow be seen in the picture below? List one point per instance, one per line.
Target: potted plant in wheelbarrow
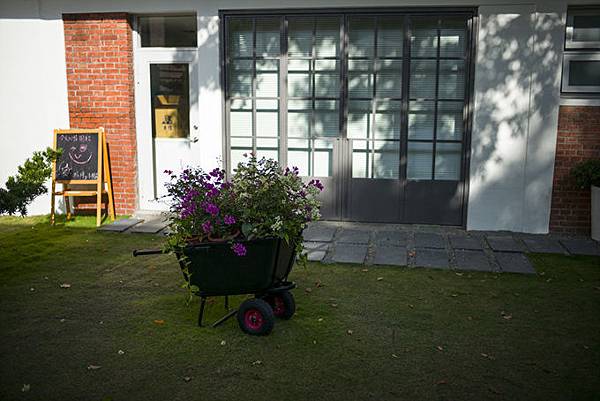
(241, 236)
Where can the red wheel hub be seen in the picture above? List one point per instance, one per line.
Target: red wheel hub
(253, 319)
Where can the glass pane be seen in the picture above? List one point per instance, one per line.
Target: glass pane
(387, 120)
(267, 78)
(327, 37)
(390, 39)
(240, 78)
(267, 117)
(584, 73)
(359, 119)
(241, 143)
(386, 159)
(170, 91)
(450, 121)
(422, 79)
(360, 78)
(300, 31)
(419, 161)
(586, 28)
(447, 161)
(237, 156)
(361, 159)
(240, 37)
(452, 79)
(452, 38)
(361, 37)
(423, 42)
(299, 155)
(168, 31)
(299, 78)
(389, 78)
(240, 118)
(323, 158)
(298, 118)
(326, 122)
(267, 37)
(420, 120)
(327, 78)
(267, 147)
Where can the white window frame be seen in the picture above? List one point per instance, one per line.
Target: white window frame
(569, 42)
(567, 58)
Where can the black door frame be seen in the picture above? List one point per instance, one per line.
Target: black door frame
(343, 190)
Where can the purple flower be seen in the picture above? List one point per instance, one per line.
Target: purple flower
(229, 220)
(238, 249)
(207, 227)
(168, 172)
(211, 208)
(316, 184)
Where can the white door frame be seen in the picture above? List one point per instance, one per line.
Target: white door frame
(143, 57)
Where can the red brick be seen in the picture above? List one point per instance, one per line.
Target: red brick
(99, 58)
(578, 140)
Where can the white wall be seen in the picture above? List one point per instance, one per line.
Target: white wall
(516, 92)
(33, 87)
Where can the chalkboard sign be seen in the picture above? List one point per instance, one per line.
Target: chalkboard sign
(83, 160)
(80, 156)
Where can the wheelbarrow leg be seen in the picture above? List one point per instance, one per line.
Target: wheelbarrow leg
(226, 302)
(201, 313)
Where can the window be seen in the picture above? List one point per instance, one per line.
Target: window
(392, 84)
(581, 61)
(168, 30)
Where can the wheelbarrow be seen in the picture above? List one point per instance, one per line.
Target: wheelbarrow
(216, 271)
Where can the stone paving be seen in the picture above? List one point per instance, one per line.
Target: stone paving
(433, 247)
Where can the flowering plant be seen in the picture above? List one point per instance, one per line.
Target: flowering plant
(261, 200)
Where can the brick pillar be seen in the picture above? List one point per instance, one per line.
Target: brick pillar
(578, 139)
(99, 57)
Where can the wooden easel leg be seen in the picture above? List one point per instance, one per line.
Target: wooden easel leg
(52, 201)
(107, 177)
(67, 204)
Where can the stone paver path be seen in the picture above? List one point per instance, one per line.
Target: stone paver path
(410, 245)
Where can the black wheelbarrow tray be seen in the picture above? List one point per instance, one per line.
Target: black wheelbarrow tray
(217, 271)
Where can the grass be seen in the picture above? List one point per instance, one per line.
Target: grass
(416, 334)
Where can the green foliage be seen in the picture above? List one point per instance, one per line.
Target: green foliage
(587, 173)
(28, 183)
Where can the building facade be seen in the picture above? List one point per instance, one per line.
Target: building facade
(466, 113)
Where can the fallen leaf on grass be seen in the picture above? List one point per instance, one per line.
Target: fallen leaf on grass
(487, 356)
(63, 320)
(379, 278)
(440, 348)
(159, 322)
(318, 284)
(121, 352)
(411, 306)
(334, 305)
(364, 270)
(441, 382)
(320, 319)
(223, 342)
(394, 356)
(94, 367)
(505, 315)
(186, 378)
(257, 362)
(65, 285)
(454, 295)
(309, 290)
(349, 332)
(32, 289)
(459, 274)
(26, 388)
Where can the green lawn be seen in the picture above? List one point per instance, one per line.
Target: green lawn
(385, 333)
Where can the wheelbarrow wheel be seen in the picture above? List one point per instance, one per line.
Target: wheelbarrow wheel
(255, 317)
(283, 304)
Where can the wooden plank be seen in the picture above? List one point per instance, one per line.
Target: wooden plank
(111, 203)
(52, 197)
(100, 179)
(71, 192)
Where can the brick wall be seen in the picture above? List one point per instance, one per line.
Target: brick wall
(99, 57)
(578, 139)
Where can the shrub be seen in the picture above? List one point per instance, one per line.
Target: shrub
(28, 183)
(587, 173)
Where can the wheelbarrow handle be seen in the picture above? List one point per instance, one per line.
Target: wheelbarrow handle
(141, 252)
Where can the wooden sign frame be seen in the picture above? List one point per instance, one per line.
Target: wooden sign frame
(103, 177)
